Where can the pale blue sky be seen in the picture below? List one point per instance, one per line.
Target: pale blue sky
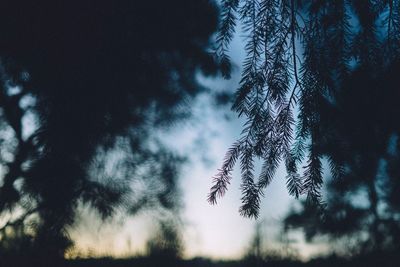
(211, 231)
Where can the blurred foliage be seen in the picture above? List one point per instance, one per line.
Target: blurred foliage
(166, 245)
(362, 206)
(84, 89)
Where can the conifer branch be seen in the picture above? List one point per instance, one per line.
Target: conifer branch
(277, 79)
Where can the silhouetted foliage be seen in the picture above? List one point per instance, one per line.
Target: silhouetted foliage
(166, 244)
(361, 205)
(84, 87)
(332, 63)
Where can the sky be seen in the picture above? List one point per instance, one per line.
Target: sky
(216, 231)
(210, 231)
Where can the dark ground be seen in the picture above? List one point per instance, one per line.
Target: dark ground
(376, 259)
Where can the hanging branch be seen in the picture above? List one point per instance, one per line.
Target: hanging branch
(269, 91)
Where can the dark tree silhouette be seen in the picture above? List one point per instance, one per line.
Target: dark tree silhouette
(362, 205)
(166, 244)
(84, 86)
(304, 57)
